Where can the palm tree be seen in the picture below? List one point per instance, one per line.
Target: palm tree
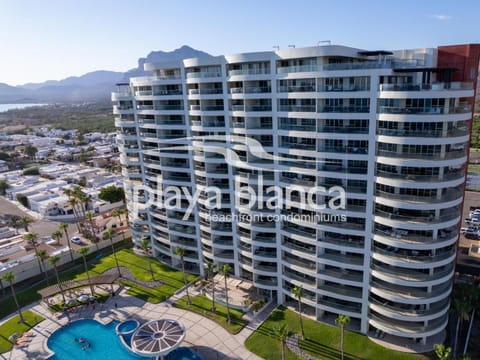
(15, 222)
(462, 304)
(89, 216)
(211, 267)
(64, 227)
(42, 256)
(57, 235)
(32, 239)
(442, 352)
(53, 260)
(145, 246)
(118, 213)
(109, 235)
(281, 331)
(95, 240)
(342, 321)
(180, 252)
(25, 221)
(297, 291)
(73, 202)
(225, 271)
(9, 277)
(83, 253)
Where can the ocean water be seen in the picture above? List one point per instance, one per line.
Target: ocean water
(6, 107)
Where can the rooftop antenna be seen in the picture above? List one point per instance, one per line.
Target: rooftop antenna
(324, 42)
(291, 46)
(276, 47)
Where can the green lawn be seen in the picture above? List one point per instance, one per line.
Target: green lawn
(138, 265)
(172, 279)
(12, 326)
(474, 168)
(321, 340)
(202, 305)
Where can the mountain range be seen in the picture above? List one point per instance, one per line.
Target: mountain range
(93, 86)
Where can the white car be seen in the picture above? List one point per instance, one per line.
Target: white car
(76, 240)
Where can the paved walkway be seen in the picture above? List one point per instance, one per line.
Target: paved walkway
(203, 335)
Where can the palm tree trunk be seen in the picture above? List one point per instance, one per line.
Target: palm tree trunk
(213, 295)
(300, 317)
(69, 245)
(115, 256)
(341, 340)
(185, 282)
(457, 330)
(151, 269)
(226, 298)
(16, 302)
(283, 349)
(45, 272)
(59, 284)
(88, 276)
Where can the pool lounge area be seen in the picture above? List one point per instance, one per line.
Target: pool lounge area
(89, 339)
(204, 339)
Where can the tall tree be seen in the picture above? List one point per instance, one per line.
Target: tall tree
(14, 222)
(109, 234)
(342, 321)
(118, 213)
(53, 260)
(83, 253)
(32, 239)
(89, 217)
(225, 271)
(211, 268)
(64, 227)
(10, 277)
(297, 291)
(57, 235)
(180, 252)
(145, 246)
(42, 256)
(25, 221)
(463, 306)
(281, 332)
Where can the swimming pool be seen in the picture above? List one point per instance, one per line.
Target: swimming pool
(104, 343)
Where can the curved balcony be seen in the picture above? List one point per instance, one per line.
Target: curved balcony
(411, 259)
(408, 240)
(448, 155)
(453, 196)
(344, 292)
(340, 307)
(458, 132)
(405, 277)
(344, 276)
(409, 295)
(410, 312)
(450, 217)
(408, 329)
(458, 176)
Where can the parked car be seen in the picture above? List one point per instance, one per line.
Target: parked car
(76, 240)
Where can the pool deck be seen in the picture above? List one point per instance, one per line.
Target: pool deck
(204, 336)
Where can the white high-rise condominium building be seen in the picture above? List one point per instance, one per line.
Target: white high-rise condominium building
(390, 128)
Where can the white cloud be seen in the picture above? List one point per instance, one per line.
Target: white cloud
(441, 17)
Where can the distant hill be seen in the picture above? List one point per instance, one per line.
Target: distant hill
(93, 86)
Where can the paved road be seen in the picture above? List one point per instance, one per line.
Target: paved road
(40, 226)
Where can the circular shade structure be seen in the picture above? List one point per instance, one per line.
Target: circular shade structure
(157, 338)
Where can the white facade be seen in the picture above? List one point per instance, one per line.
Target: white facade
(330, 116)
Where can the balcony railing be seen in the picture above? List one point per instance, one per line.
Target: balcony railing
(297, 108)
(424, 133)
(203, 74)
(343, 109)
(433, 86)
(453, 154)
(432, 110)
(248, 72)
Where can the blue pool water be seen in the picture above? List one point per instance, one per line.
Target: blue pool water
(127, 326)
(183, 353)
(105, 344)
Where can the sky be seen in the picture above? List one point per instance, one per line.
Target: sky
(50, 39)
